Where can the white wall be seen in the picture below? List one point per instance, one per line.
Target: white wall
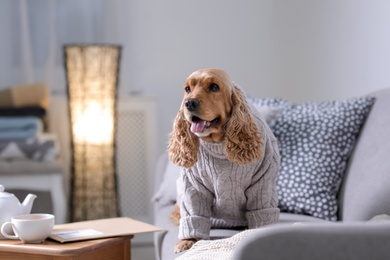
(299, 50)
(170, 39)
(295, 49)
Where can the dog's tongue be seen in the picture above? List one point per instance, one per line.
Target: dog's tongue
(198, 126)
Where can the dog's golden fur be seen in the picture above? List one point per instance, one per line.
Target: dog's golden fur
(223, 106)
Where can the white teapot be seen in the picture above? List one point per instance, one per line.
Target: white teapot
(10, 206)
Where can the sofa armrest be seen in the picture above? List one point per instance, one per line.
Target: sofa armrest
(160, 171)
(341, 241)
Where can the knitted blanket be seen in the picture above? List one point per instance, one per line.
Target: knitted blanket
(215, 249)
(222, 249)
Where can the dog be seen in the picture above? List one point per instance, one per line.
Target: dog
(229, 160)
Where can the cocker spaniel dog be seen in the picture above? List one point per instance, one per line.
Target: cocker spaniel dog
(229, 160)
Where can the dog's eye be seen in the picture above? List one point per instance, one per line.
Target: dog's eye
(187, 89)
(214, 87)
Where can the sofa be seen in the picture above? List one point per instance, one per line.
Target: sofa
(349, 217)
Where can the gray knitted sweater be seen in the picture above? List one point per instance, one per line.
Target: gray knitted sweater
(218, 193)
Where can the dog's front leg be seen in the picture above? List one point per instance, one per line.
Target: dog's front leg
(185, 244)
(175, 215)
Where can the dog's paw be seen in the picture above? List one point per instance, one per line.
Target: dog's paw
(184, 244)
(175, 215)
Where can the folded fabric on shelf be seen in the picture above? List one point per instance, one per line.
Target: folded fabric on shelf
(36, 111)
(20, 127)
(43, 147)
(25, 95)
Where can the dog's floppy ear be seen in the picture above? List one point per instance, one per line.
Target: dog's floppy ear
(183, 144)
(242, 143)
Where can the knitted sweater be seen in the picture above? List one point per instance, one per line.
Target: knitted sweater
(218, 193)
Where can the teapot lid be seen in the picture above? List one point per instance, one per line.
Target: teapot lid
(4, 194)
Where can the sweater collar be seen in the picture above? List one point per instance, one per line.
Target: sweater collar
(213, 148)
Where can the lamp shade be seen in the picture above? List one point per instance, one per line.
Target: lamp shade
(92, 78)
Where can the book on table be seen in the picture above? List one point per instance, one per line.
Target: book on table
(101, 228)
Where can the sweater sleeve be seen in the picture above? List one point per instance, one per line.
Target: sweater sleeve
(195, 202)
(262, 203)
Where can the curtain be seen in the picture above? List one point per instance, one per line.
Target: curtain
(32, 35)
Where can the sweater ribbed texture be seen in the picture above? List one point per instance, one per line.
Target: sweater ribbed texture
(218, 193)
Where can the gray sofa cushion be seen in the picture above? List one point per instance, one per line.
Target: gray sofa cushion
(347, 241)
(166, 192)
(285, 217)
(366, 186)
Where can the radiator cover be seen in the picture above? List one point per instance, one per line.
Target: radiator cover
(136, 156)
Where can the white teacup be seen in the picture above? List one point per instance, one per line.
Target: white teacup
(32, 228)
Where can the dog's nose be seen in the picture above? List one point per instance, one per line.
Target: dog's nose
(192, 104)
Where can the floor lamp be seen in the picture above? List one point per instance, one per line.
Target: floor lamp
(92, 78)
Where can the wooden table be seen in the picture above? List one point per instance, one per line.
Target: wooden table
(112, 242)
(107, 248)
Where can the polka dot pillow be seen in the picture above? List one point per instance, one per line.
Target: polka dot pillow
(269, 108)
(269, 101)
(315, 142)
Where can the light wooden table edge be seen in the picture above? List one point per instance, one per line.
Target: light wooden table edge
(60, 249)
